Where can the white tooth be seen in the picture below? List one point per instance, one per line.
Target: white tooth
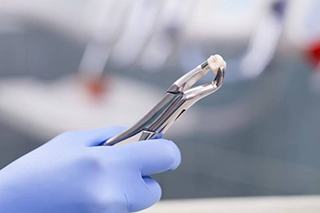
(215, 62)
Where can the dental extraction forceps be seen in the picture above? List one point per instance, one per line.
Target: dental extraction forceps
(179, 97)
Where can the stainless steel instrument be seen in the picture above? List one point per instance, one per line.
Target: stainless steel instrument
(179, 97)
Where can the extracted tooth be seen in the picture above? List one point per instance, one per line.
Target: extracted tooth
(215, 62)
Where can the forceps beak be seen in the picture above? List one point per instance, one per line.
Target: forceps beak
(184, 84)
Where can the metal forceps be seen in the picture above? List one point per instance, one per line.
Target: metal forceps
(179, 97)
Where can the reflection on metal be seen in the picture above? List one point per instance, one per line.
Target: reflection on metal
(179, 97)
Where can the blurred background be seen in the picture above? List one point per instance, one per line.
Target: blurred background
(68, 65)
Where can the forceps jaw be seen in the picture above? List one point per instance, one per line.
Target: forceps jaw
(194, 94)
(214, 63)
(201, 91)
(184, 84)
(190, 95)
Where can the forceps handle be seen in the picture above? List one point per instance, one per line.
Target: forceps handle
(154, 122)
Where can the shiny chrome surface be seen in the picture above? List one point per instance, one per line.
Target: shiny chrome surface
(179, 97)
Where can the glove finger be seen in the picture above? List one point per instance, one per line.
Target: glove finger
(144, 194)
(153, 156)
(94, 137)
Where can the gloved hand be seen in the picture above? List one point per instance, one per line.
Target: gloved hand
(73, 174)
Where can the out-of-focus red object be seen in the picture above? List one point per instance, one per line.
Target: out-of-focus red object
(313, 53)
(96, 87)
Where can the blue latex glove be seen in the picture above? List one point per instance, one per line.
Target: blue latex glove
(73, 174)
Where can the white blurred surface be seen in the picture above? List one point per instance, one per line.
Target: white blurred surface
(82, 17)
(209, 19)
(289, 204)
(47, 109)
(303, 22)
